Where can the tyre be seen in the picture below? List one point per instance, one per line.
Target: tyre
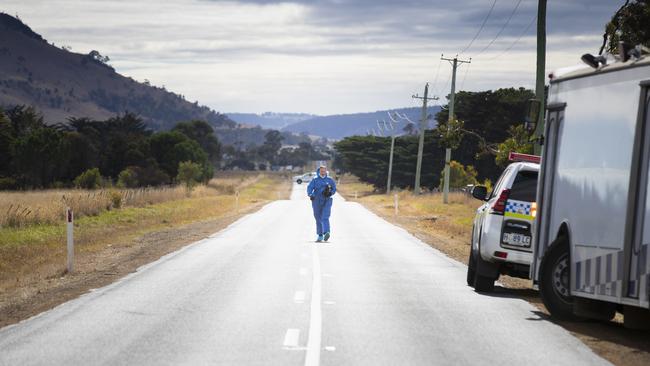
(555, 278)
(483, 284)
(299, 181)
(471, 269)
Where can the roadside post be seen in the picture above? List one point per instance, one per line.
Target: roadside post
(396, 204)
(237, 201)
(69, 218)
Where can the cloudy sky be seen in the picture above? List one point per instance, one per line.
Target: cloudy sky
(320, 56)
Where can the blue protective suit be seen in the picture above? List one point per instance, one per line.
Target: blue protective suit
(321, 205)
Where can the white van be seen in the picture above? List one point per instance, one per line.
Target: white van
(592, 234)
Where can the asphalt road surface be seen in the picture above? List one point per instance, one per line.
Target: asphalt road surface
(261, 292)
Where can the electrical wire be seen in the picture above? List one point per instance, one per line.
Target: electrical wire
(462, 83)
(532, 21)
(435, 80)
(512, 13)
(480, 29)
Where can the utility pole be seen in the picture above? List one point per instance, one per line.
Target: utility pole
(541, 73)
(423, 124)
(452, 98)
(390, 160)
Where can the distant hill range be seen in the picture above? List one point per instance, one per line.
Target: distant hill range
(270, 119)
(61, 84)
(342, 125)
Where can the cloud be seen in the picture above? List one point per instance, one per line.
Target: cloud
(319, 56)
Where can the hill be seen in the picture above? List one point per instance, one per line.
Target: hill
(63, 84)
(343, 125)
(269, 119)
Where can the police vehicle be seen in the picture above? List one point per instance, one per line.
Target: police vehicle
(304, 178)
(592, 236)
(502, 229)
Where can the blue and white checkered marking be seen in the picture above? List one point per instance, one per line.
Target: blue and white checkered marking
(518, 207)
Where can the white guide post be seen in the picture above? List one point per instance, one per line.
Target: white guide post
(69, 218)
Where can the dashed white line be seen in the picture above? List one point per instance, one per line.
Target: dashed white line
(299, 297)
(291, 338)
(316, 318)
(329, 302)
(330, 348)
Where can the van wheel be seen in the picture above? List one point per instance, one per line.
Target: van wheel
(555, 278)
(471, 269)
(299, 181)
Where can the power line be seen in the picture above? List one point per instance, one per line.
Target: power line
(462, 83)
(435, 80)
(502, 28)
(481, 28)
(532, 21)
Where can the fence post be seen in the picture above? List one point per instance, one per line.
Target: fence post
(396, 204)
(69, 216)
(355, 195)
(237, 201)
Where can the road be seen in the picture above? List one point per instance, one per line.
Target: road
(261, 292)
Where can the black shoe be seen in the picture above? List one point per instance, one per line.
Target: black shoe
(326, 237)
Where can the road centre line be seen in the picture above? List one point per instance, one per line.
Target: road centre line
(312, 358)
(292, 337)
(299, 297)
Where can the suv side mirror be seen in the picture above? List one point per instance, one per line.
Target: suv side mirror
(479, 192)
(533, 107)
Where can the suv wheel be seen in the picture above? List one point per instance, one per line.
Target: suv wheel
(299, 181)
(471, 269)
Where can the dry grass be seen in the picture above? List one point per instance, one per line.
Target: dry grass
(19, 209)
(425, 212)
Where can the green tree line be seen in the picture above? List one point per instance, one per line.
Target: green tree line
(36, 155)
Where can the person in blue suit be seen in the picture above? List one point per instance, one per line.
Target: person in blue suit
(320, 191)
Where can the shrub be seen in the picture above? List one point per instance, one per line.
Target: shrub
(189, 173)
(90, 179)
(127, 178)
(116, 198)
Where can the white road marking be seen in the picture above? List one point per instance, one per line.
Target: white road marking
(330, 348)
(328, 275)
(329, 302)
(292, 337)
(303, 271)
(316, 317)
(299, 297)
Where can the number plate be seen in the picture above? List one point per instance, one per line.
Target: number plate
(515, 239)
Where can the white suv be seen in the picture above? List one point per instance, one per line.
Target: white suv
(501, 234)
(305, 178)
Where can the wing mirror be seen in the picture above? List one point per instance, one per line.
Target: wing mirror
(479, 192)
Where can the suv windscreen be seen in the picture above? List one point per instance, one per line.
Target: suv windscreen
(524, 188)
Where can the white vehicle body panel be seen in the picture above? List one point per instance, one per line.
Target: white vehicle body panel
(589, 165)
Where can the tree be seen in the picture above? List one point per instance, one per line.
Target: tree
(487, 117)
(367, 158)
(630, 25)
(203, 134)
(460, 176)
(272, 144)
(127, 178)
(90, 179)
(189, 173)
(519, 141)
